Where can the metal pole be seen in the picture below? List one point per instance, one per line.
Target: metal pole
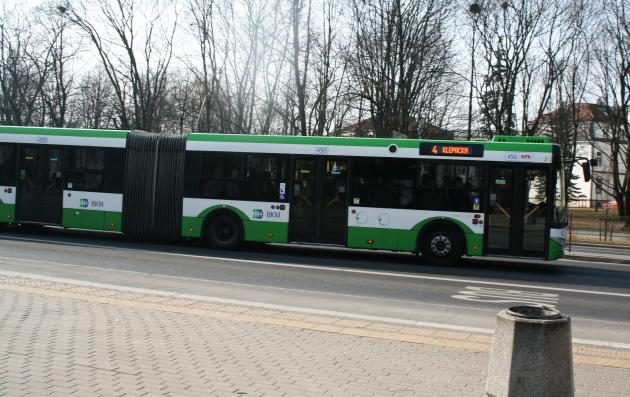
(470, 95)
(200, 110)
(570, 230)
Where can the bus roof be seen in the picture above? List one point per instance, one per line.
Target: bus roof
(64, 136)
(519, 150)
(500, 143)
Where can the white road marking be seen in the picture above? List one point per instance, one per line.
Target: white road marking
(296, 309)
(500, 295)
(332, 269)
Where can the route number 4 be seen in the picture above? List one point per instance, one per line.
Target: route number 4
(498, 295)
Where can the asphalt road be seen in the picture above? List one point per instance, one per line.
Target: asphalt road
(360, 284)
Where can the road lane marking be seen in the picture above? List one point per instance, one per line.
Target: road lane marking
(500, 295)
(297, 309)
(330, 269)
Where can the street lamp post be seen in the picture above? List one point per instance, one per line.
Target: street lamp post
(474, 9)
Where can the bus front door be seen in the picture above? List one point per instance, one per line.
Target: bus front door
(517, 211)
(39, 193)
(318, 205)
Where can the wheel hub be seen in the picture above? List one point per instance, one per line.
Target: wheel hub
(441, 245)
(225, 232)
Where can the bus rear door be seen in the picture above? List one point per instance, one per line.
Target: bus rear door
(318, 205)
(39, 193)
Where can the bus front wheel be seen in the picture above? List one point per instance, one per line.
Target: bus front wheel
(224, 232)
(442, 245)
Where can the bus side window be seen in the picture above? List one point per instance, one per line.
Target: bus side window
(449, 187)
(221, 175)
(7, 164)
(114, 170)
(265, 175)
(86, 169)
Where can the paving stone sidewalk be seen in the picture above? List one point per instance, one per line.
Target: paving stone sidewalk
(64, 338)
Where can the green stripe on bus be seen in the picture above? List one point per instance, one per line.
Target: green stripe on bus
(373, 238)
(556, 249)
(70, 132)
(260, 231)
(474, 241)
(403, 240)
(113, 221)
(7, 213)
(191, 226)
(236, 211)
(358, 142)
(421, 225)
(93, 220)
(268, 232)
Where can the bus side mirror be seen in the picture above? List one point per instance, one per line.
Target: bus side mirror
(586, 171)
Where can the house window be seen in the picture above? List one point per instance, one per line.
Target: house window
(599, 159)
(598, 185)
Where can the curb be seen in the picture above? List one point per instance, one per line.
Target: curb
(600, 245)
(601, 259)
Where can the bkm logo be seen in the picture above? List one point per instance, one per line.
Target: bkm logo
(84, 203)
(258, 214)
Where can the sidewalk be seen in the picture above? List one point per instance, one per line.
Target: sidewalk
(580, 252)
(72, 338)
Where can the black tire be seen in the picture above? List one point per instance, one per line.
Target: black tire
(442, 245)
(224, 232)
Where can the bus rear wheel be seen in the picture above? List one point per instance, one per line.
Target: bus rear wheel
(442, 245)
(224, 232)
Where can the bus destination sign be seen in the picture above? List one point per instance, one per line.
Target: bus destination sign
(451, 149)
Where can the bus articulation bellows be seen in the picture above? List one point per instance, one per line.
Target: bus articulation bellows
(444, 199)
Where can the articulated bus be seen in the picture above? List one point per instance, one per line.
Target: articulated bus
(443, 199)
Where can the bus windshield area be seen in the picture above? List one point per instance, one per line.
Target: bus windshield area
(560, 204)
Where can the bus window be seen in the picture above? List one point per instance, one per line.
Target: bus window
(387, 183)
(7, 165)
(114, 170)
(95, 169)
(84, 181)
(86, 168)
(266, 178)
(535, 209)
(448, 187)
(221, 176)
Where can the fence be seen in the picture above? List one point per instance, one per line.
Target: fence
(597, 205)
(605, 226)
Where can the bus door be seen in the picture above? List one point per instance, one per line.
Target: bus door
(39, 195)
(318, 205)
(517, 211)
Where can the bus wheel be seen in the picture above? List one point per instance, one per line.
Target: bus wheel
(443, 245)
(224, 232)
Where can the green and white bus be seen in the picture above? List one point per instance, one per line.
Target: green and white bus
(444, 199)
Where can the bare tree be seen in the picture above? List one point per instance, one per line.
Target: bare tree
(509, 32)
(300, 68)
(329, 70)
(275, 58)
(92, 107)
(204, 14)
(613, 87)
(242, 49)
(177, 113)
(137, 72)
(400, 59)
(23, 73)
(566, 125)
(60, 82)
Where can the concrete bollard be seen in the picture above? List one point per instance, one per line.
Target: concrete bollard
(531, 354)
